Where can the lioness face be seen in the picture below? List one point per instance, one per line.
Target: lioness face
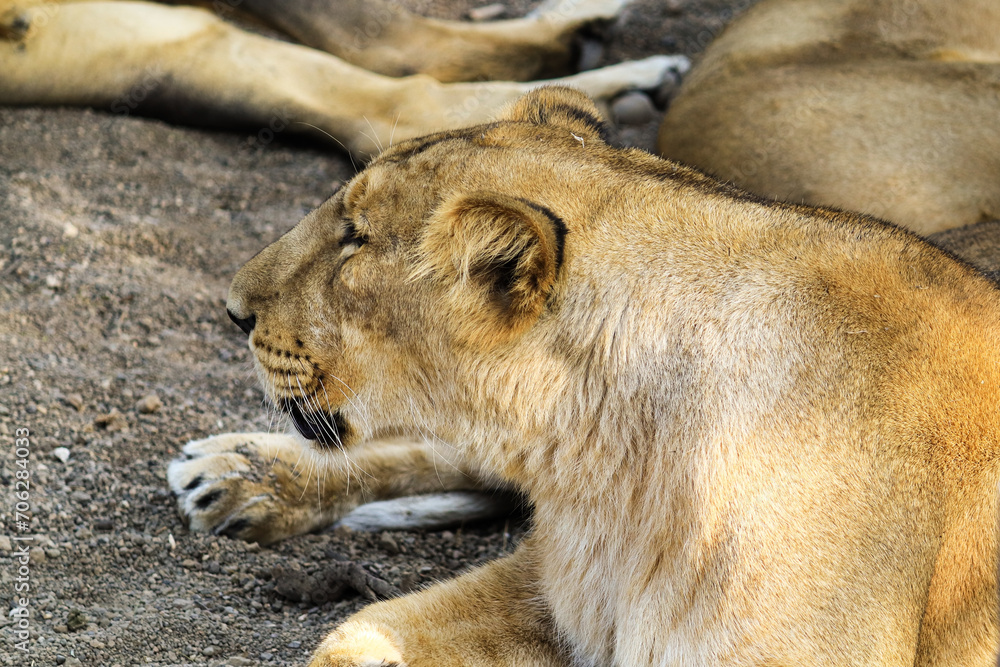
(381, 305)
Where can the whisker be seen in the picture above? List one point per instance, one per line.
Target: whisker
(395, 122)
(346, 149)
(378, 142)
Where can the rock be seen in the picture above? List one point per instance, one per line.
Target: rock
(61, 453)
(487, 12)
(5, 544)
(112, 421)
(239, 661)
(36, 555)
(104, 525)
(149, 404)
(72, 662)
(210, 651)
(53, 553)
(633, 108)
(77, 620)
(386, 542)
(53, 281)
(75, 401)
(70, 231)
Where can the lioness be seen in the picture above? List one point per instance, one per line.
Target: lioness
(753, 432)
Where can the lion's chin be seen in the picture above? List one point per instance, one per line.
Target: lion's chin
(327, 430)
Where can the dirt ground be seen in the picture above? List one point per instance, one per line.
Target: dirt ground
(118, 238)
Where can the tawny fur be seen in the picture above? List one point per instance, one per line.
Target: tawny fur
(754, 433)
(887, 107)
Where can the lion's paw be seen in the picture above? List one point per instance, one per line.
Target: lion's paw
(645, 74)
(358, 644)
(246, 486)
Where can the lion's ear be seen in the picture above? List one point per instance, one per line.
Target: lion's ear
(498, 258)
(559, 106)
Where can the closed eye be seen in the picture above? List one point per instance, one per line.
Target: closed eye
(351, 241)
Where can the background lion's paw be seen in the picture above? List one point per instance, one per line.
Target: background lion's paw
(246, 486)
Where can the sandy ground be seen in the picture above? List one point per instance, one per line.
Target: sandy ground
(118, 238)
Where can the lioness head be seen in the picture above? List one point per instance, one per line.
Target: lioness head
(411, 288)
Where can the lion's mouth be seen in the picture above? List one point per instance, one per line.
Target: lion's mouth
(326, 429)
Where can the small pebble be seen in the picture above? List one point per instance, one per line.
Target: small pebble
(239, 661)
(487, 12)
(70, 231)
(77, 620)
(5, 543)
(149, 404)
(210, 651)
(112, 421)
(61, 453)
(387, 543)
(75, 401)
(36, 555)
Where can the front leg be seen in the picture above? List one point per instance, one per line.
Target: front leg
(265, 487)
(490, 617)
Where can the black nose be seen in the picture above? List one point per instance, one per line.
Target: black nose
(246, 324)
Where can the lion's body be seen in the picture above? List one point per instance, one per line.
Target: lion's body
(879, 106)
(186, 64)
(753, 433)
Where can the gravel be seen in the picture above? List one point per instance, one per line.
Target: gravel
(118, 238)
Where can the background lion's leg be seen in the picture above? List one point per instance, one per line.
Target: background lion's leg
(383, 37)
(185, 64)
(265, 487)
(490, 617)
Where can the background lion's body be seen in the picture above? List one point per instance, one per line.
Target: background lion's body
(880, 107)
